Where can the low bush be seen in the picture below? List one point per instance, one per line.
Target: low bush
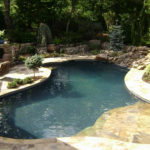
(95, 52)
(27, 80)
(20, 36)
(94, 46)
(30, 50)
(12, 85)
(21, 58)
(18, 81)
(147, 70)
(57, 41)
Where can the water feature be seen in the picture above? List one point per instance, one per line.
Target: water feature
(75, 95)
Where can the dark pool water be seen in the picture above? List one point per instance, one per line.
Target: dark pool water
(73, 98)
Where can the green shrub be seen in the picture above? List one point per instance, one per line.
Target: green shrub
(45, 55)
(18, 81)
(57, 41)
(34, 62)
(95, 52)
(20, 36)
(27, 80)
(12, 85)
(94, 46)
(30, 50)
(147, 69)
(21, 58)
(116, 38)
(71, 37)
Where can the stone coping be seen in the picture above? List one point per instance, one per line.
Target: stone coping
(135, 84)
(73, 143)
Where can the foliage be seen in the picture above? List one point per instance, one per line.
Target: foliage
(109, 18)
(19, 36)
(12, 85)
(21, 58)
(34, 62)
(116, 38)
(126, 27)
(30, 50)
(18, 81)
(57, 41)
(147, 69)
(44, 36)
(70, 37)
(146, 38)
(89, 29)
(93, 46)
(95, 52)
(2, 34)
(27, 80)
(85, 18)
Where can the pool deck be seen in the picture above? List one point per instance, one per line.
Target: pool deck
(133, 82)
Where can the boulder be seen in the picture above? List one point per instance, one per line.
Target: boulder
(95, 42)
(83, 48)
(22, 47)
(71, 50)
(4, 68)
(102, 57)
(7, 57)
(120, 53)
(52, 47)
(105, 45)
(42, 50)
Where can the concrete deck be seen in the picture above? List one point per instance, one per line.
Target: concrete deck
(134, 84)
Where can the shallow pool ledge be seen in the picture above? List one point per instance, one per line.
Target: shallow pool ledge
(136, 86)
(22, 72)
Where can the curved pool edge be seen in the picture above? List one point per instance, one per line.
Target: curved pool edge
(44, 72)
(73, 143)
(136, 86)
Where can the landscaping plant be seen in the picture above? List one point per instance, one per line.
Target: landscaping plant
(12, 85)
(116, 38)
(34, 62)
(147, 70)
(27, 80)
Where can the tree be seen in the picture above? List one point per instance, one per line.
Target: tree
(34, 63)
(7, 14)
(116, 38)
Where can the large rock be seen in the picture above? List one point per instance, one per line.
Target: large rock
(95, 42)
(4, 68)
(83, 48)
(105, 45)
(42, 50)
(52, 47)
(102, 57)
(71, 50)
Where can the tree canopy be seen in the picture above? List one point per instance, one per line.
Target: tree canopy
(77, 17)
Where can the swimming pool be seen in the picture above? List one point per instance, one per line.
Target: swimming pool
(75, 95)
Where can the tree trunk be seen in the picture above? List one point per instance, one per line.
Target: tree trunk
(7, 14)
(71, 13)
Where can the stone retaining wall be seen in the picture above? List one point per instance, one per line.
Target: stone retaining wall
(131, 56)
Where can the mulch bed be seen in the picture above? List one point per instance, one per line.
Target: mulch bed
(36, 78)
